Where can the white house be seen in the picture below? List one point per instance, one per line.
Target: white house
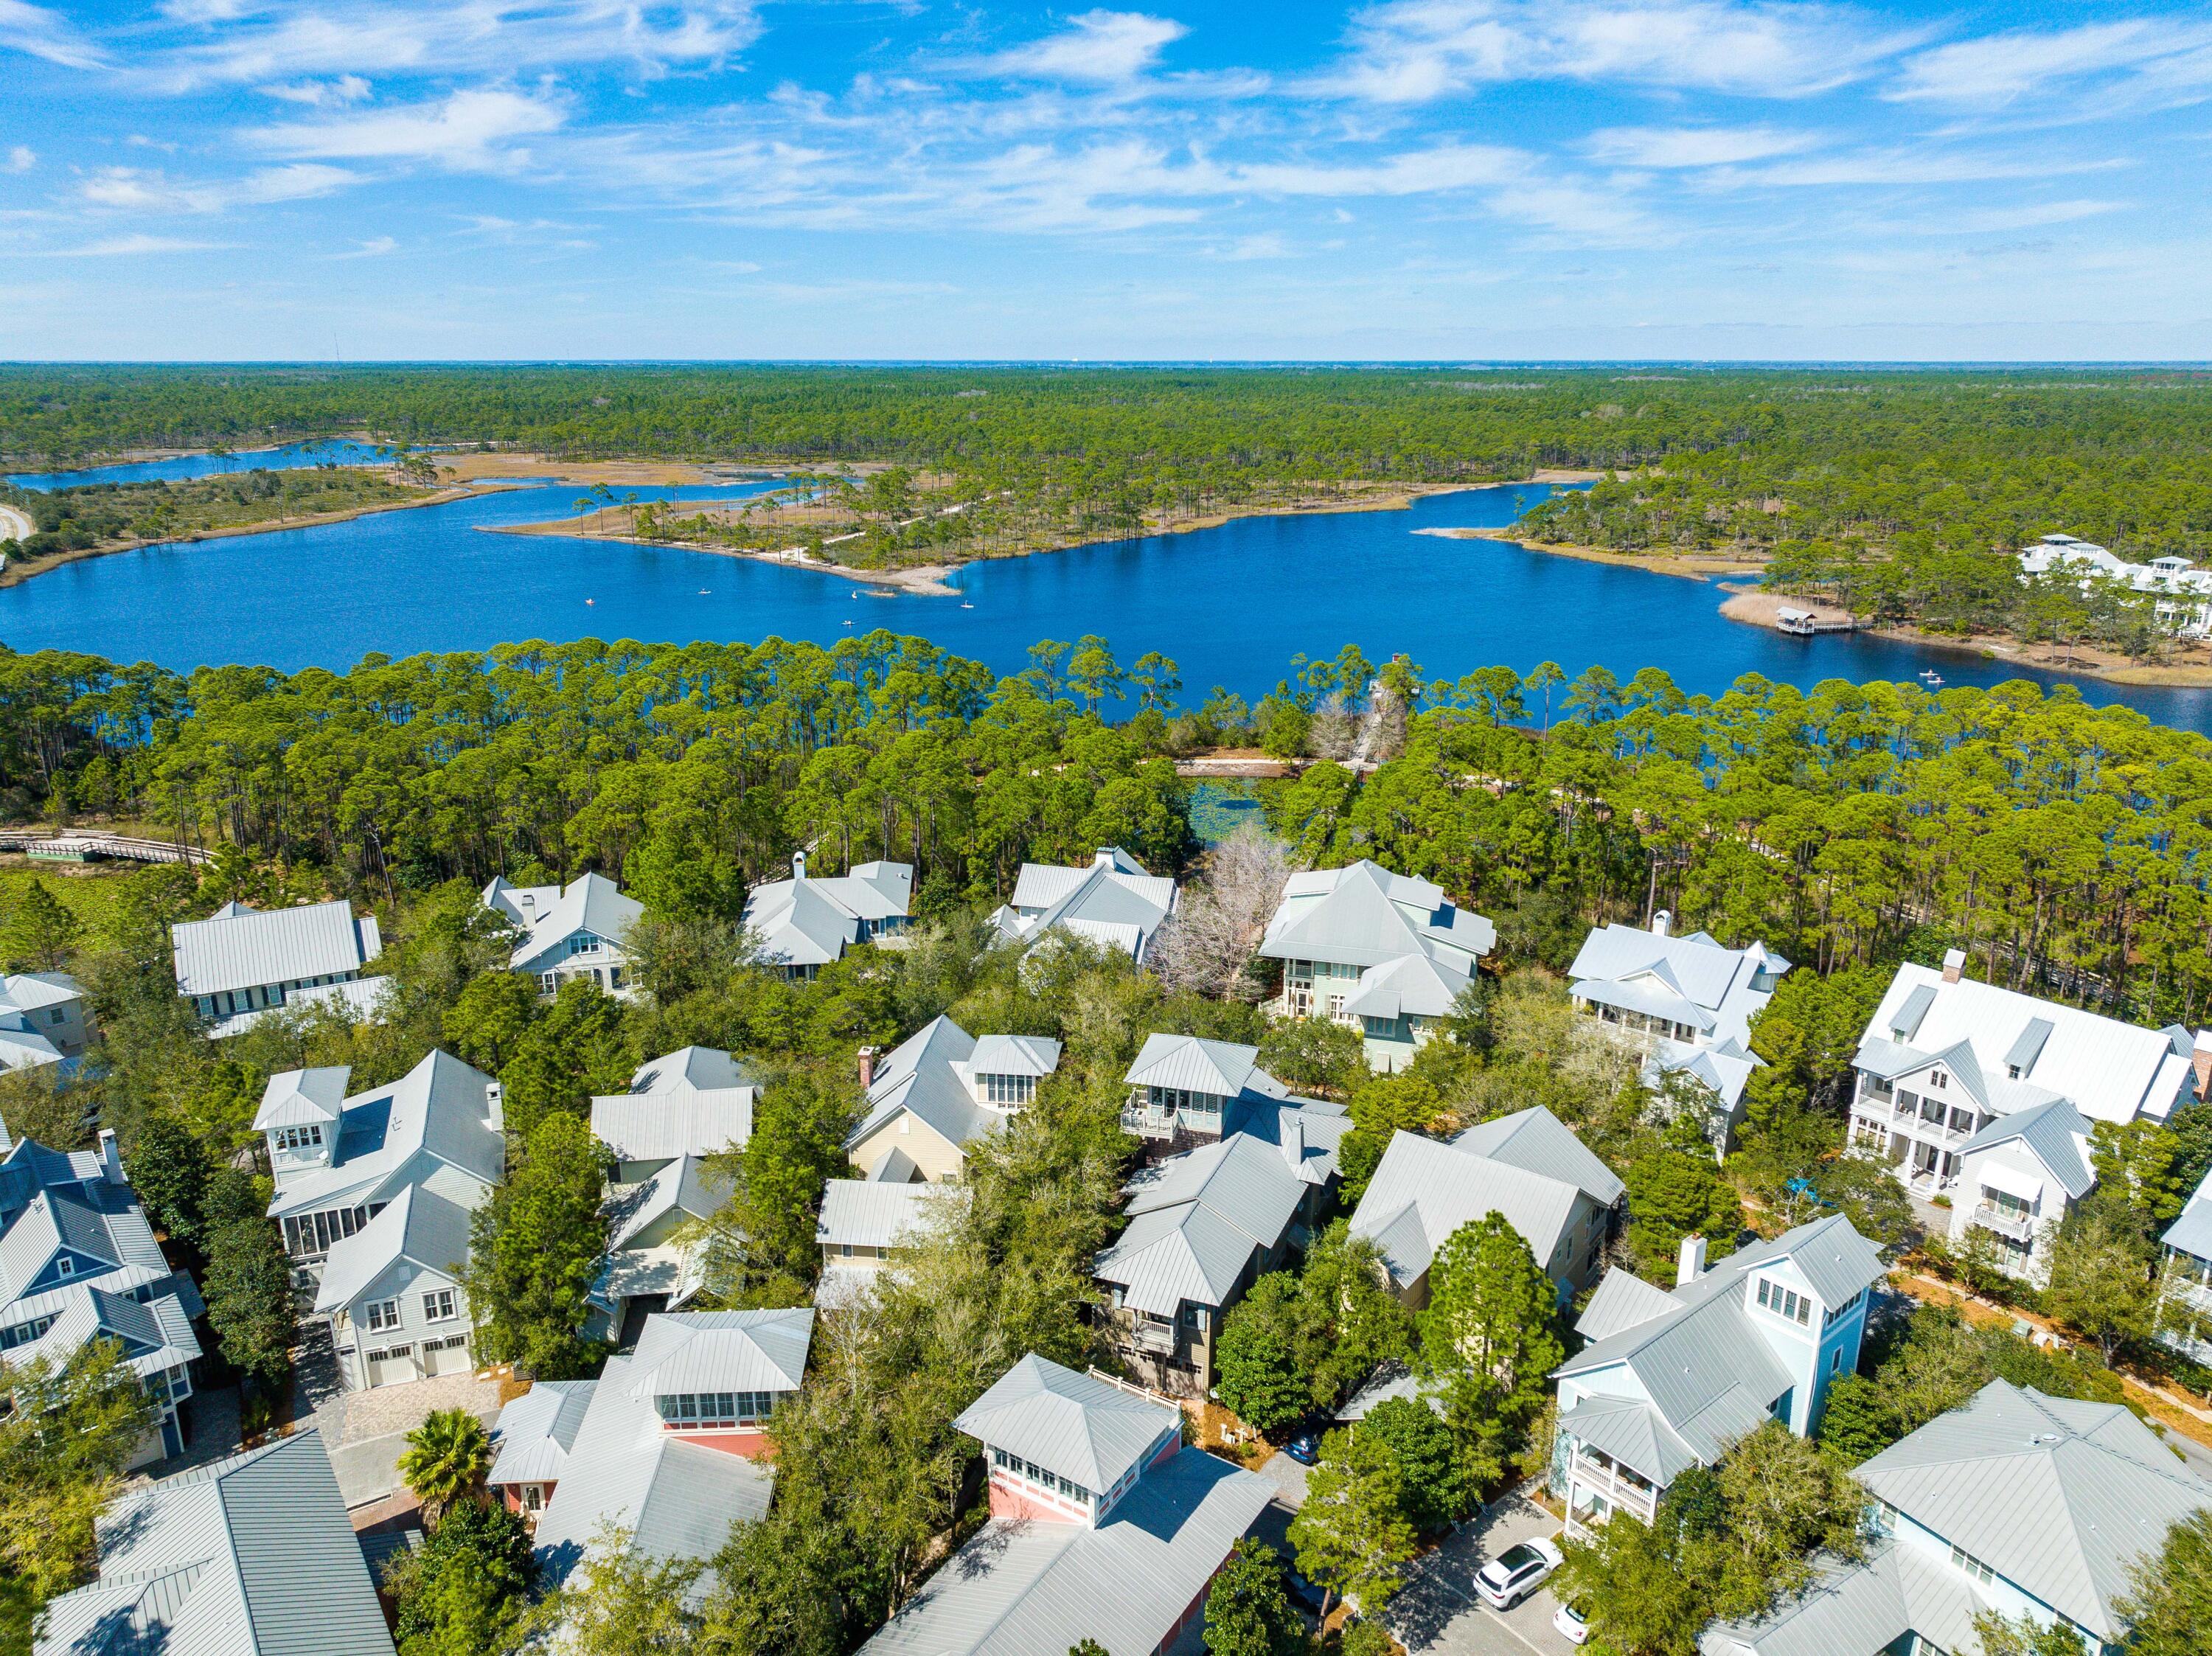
(573, 932)
(1943, 1058)
(1102, 1526)
(671, 1446)
(1384, 952)
(78, 1262)
(939, 1091)
(1687, 1002)
(241, 960)
(1561, 1199)
(44, 1019)
(2185, 1311)
(2184, 592)
(1112, 901)
(2014, 1503)
(804, 923)
(1671, 1380)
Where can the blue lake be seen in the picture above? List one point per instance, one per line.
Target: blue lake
(1229, 605)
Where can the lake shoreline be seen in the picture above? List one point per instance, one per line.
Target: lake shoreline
(16, 573)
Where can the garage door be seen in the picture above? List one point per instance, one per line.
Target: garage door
(392, 1365)
(447, 1356)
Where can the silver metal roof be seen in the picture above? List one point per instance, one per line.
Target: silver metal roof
(722, 1351)
(1038, 1588)
(536, 1431)
(246, 948)
(252, 1557)
(1069, 1423)
(2059, 1496)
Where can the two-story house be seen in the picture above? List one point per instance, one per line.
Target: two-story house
(1944, 1057)
(576, 930)
(936, 1093)
(78, 1262)
(1386, 953)
(240, 960)
(1203, 1226)
(1102, 1526)
(1558, 1196)
(800, 924)
(1687, 1002)
(44, 1019)
(390, 1286)
(1113, 901)
(1671, 1378)
(1185, 1091)
(536, 1435)
(2016, 1504)
(2185, 1278)
(671, 1447)
(250, 1557)
(867, 1224)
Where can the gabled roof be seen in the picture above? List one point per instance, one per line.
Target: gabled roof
(2111, 1071)
(1423, 1191)
(302, 1098)
(419, 1226)
(721, 1352)
(812, 921)
(1539, 1141)
(539, 1430)
(1036, 1589)
(250, 1557)
(591, 902)
(2059, 1496)
(1082, 1429)
(440, 1107)
(683, 1186)
(243, 949)
(2055, 1132)
(866, 1213)
(1366, 915)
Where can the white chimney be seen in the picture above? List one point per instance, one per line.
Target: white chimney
(1661, 921)
(1692, 1265)
(111, 1159)
(1955, 962)
(799, 864)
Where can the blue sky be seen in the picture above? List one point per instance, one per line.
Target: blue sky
(1416, 179)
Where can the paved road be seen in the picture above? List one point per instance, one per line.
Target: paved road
(14, 527)
(1437, 1613)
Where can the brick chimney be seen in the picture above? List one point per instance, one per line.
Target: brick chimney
(1955, 962)
(867, 1068)
(1692, 1265)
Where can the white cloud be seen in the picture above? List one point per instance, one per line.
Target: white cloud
(130, 189)
(21, 159)
(42, 33)
(1099, 47)
(471, 130)
(1407, 52)
(1694, 146)
(2001, 69)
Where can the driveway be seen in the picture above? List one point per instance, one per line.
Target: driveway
(1437, 1613)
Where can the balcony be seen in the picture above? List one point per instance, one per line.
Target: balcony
(2020, 1227)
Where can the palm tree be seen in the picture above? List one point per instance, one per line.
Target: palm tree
(445, 1459)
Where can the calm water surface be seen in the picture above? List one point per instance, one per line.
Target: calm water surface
(1231, 606)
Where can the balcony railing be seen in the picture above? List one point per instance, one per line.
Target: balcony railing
(2020, 1227)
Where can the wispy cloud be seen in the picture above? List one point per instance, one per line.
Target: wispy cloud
(471, 130)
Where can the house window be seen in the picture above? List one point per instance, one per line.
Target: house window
(438, 1306)
(383, 1314)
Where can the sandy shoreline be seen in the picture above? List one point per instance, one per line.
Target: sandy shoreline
(17, 574)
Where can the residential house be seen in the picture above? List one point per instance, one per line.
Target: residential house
(536, 1435)
(697, 1101)
(1944, 1058)
(1102, 1526)
(670, 1447)
(939, 1091)
(1687, 1002)
(241, 960)
(867, 1224)
(2186, 1308)
(1186, 1091)
(1562, 1200)
(44, 1019)
(2182, 593)
(576, 930)
(2015, 1503)
(1114, 902)
(78, 1262)
(803, 924)
(1386, 953)
(1670, 1379)
(1203, 1226)
(389, 1284)
(252, 1557)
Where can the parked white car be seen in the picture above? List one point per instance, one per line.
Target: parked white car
(1518, 1571)
(1567, 1621)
